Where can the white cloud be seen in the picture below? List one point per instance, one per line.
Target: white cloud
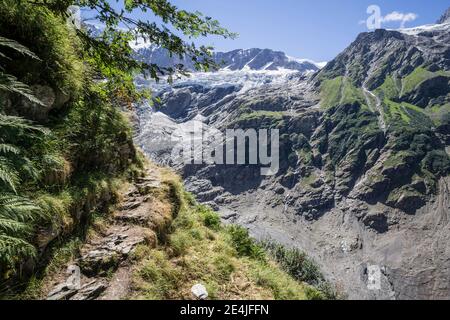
(399, 16)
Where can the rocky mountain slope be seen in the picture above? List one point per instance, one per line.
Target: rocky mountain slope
(445, 17)
(364, 159)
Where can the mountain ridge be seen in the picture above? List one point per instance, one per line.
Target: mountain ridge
(239, 59)
(445, 18)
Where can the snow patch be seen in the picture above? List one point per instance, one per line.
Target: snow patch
(425, 28)
(140, 43)
(319, 65)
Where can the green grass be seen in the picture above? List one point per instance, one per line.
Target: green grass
(223, 258)
(275, 115)
(403, 111)
(419, 75)
(388, 89)
(309, 180)
(330, 92)
(305, 156)
(353, 94)
(396, 159)
(340, 91)
(439, 114)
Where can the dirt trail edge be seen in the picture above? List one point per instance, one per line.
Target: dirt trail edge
(104, 266)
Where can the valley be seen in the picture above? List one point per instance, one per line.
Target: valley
(354, 189)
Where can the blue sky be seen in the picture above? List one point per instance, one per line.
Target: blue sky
(315, 29)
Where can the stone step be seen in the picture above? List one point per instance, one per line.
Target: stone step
(89, 291)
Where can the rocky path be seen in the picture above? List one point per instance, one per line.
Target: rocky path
(103, 270)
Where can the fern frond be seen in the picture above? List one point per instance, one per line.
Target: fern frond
(14, 45)
(4, 56)
(11, 84)
(18, 208)
(29, 168)
(8, 175)
(8, 148)
(14, 250)
(14, 228)
(13, 122)
(17, 216)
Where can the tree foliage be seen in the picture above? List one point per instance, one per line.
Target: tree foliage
(110, 52)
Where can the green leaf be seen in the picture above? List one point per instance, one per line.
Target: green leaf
(8, 175)
(5, 42)
(8, 148)
(11, 84)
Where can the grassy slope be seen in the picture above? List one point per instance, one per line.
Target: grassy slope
(404, 112)
(419, 75)
(197, 248)
(275, 115)
(439, 114)
(340, 91)
(225, 259)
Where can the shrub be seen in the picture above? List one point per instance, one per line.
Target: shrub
(302, 268)
(314, 294)
(210, 218)
(244, 245)
(296, 263)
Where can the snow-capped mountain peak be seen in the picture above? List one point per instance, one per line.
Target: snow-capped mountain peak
(253, 59)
